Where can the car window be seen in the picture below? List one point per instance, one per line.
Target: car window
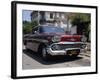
(51, 30)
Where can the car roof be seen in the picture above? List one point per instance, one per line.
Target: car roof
(49, 25)
(46, 26)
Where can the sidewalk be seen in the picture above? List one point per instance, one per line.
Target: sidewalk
(87, 50)
(87, 53)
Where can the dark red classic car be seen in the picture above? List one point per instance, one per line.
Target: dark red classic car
(52, 41)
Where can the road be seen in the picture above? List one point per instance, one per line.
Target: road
(31, 60)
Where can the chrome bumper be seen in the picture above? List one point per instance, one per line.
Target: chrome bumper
(64, 51)
(60, 52)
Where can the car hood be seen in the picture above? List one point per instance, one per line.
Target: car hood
(64, 37)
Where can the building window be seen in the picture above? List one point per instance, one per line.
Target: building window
(51, 15)
(58, 15)
(62, 16)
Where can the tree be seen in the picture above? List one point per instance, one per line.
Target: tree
(82, 21)
(28, 26)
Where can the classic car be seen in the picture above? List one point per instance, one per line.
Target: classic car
(51, 41)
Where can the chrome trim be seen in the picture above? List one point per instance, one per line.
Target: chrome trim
(67, 43)
(72, 49)
(62, 52)
(59, 52)
(70, 43)
(39, 40)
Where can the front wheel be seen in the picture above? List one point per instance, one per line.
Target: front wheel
(44, 53)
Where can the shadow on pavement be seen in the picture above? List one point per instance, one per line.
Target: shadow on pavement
(53, 60)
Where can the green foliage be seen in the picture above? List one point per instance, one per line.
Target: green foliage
(34, 23)
(82, 21)
(80, 18)
(28, 26)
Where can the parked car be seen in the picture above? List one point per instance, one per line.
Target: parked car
(52, 41)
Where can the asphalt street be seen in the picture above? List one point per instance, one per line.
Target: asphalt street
(31, 60)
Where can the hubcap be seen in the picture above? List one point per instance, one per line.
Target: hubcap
(44, 52)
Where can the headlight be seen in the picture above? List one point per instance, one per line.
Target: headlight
(55, 47)
(56, 39)
(83, 46)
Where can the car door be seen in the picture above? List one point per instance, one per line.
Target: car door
(32, 42)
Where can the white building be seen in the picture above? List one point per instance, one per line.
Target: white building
(59, 19)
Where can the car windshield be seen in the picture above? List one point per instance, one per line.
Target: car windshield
(51, 30)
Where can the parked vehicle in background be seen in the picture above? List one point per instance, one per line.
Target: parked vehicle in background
(52, 41)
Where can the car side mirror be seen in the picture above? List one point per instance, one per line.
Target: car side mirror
(35, 32)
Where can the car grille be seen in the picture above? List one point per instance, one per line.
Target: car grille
(65, 46)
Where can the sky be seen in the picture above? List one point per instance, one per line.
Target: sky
(26, 15)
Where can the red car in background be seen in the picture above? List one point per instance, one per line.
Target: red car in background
(52, 41)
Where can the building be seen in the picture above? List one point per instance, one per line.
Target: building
(59, 19)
